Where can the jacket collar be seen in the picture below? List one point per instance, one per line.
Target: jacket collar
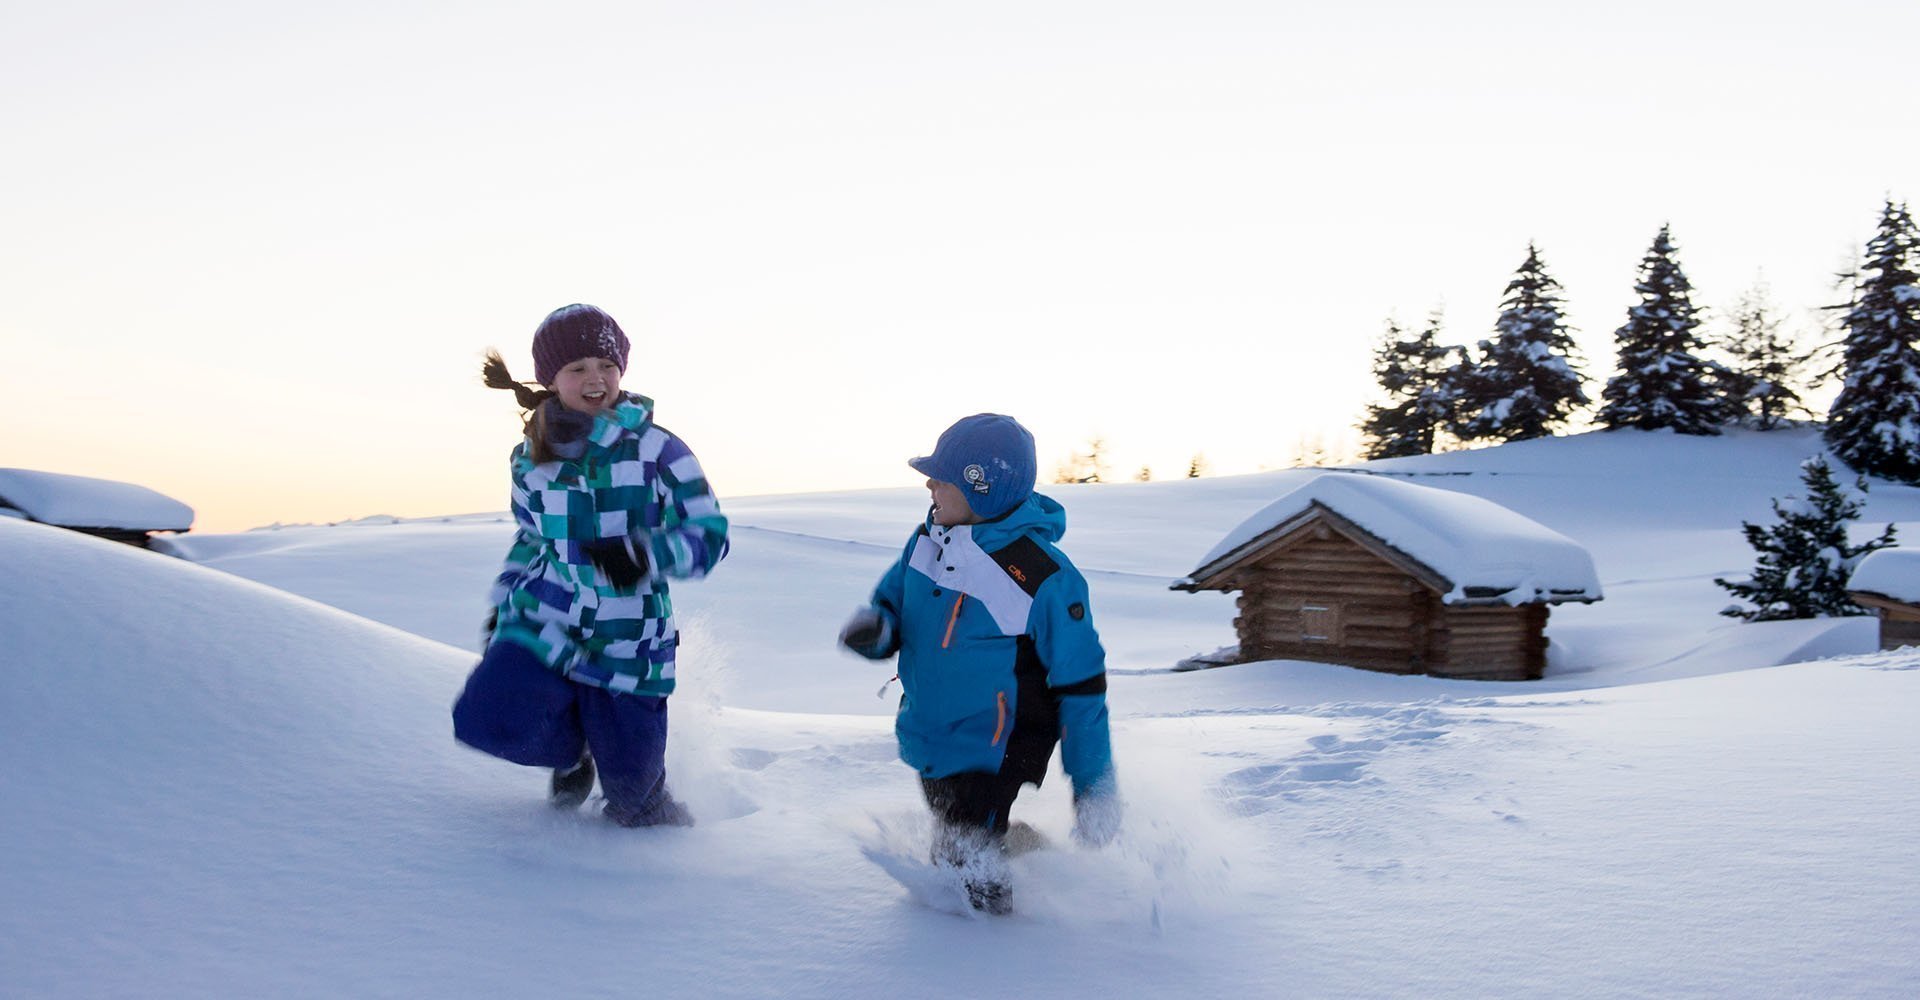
(634, 412)
(1038, 515)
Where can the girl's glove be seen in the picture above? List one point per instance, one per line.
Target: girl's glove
(566, 430)
(868, 634)
(622, 562)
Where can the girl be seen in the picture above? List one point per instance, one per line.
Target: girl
(580, 644)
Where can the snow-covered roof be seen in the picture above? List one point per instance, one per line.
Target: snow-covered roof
(81, 502)
(1891, 573)
(1482, 550)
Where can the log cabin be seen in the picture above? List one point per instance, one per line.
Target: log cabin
(1887, 581)
(1385, 575)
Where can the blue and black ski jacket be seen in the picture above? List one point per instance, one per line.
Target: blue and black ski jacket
(998, 653)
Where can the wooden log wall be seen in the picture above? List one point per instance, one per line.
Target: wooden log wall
(1899, 626)
(1370, 613)
(1328, 599)
(1493, 643)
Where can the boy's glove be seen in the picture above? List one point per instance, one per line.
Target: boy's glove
(621, 561)
(566, 430)
(1096, 813)
(867, 633)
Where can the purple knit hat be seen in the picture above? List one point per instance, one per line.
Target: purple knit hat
(570, 333)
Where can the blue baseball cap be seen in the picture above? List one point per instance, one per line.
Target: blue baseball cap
(989, 456)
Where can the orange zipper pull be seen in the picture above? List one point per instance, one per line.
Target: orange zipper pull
(952, 620)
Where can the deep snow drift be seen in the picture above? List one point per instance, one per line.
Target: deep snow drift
(215, 787)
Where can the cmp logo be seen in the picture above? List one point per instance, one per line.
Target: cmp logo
(977, 478)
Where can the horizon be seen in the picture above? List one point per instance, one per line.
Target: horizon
(257, 254)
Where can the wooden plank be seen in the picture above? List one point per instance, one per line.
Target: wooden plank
(1365, 645)
(1894, 634)
(1329, 563)
(1346, 588)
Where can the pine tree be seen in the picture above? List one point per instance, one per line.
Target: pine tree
(1197, 467)
(1526, 382)
(1663, 381)
(1874, 423)
(1805, 559)
(1763, 384)
(1420, 396)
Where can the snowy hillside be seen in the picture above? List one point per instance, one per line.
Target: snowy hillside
(217, 786)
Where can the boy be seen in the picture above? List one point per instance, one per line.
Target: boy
(999, 659)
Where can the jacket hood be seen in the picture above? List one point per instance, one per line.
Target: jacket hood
(1038, 515)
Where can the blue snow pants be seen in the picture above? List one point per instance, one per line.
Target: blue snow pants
(516, 709)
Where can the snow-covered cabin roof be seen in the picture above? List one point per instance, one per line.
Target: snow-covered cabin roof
(81, 502)
(1482, 551)
(1890, 573)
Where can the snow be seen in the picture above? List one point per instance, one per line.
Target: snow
(220, 786)
(83, 502)
(1481, 548)
(1891, 573)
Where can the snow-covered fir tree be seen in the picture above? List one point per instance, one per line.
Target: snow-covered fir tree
(1805, 557)
(1874, 423)
(1768, 373)
(1414, 375)
(1663, 381)
(1526, 382)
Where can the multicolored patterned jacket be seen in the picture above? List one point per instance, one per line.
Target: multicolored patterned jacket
(638, 481)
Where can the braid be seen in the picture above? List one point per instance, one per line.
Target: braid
(494, 375)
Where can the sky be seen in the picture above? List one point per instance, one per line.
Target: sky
(250, 256)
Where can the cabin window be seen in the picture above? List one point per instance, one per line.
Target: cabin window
(1319, 622)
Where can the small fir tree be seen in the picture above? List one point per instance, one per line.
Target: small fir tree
(1145, 475)
(1663, 381)
(1805, 558)
(1768, 373)
(1874, 423)
(1197, 467)
(1526, 382)
(1420, 395)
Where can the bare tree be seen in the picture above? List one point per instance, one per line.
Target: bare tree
(1089, 466)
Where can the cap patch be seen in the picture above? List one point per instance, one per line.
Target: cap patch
(977, 478)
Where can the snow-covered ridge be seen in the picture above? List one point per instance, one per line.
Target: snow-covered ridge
(216, 788)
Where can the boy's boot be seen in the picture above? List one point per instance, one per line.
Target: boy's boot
(572, 785)
(990, 897)
(980, 859)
